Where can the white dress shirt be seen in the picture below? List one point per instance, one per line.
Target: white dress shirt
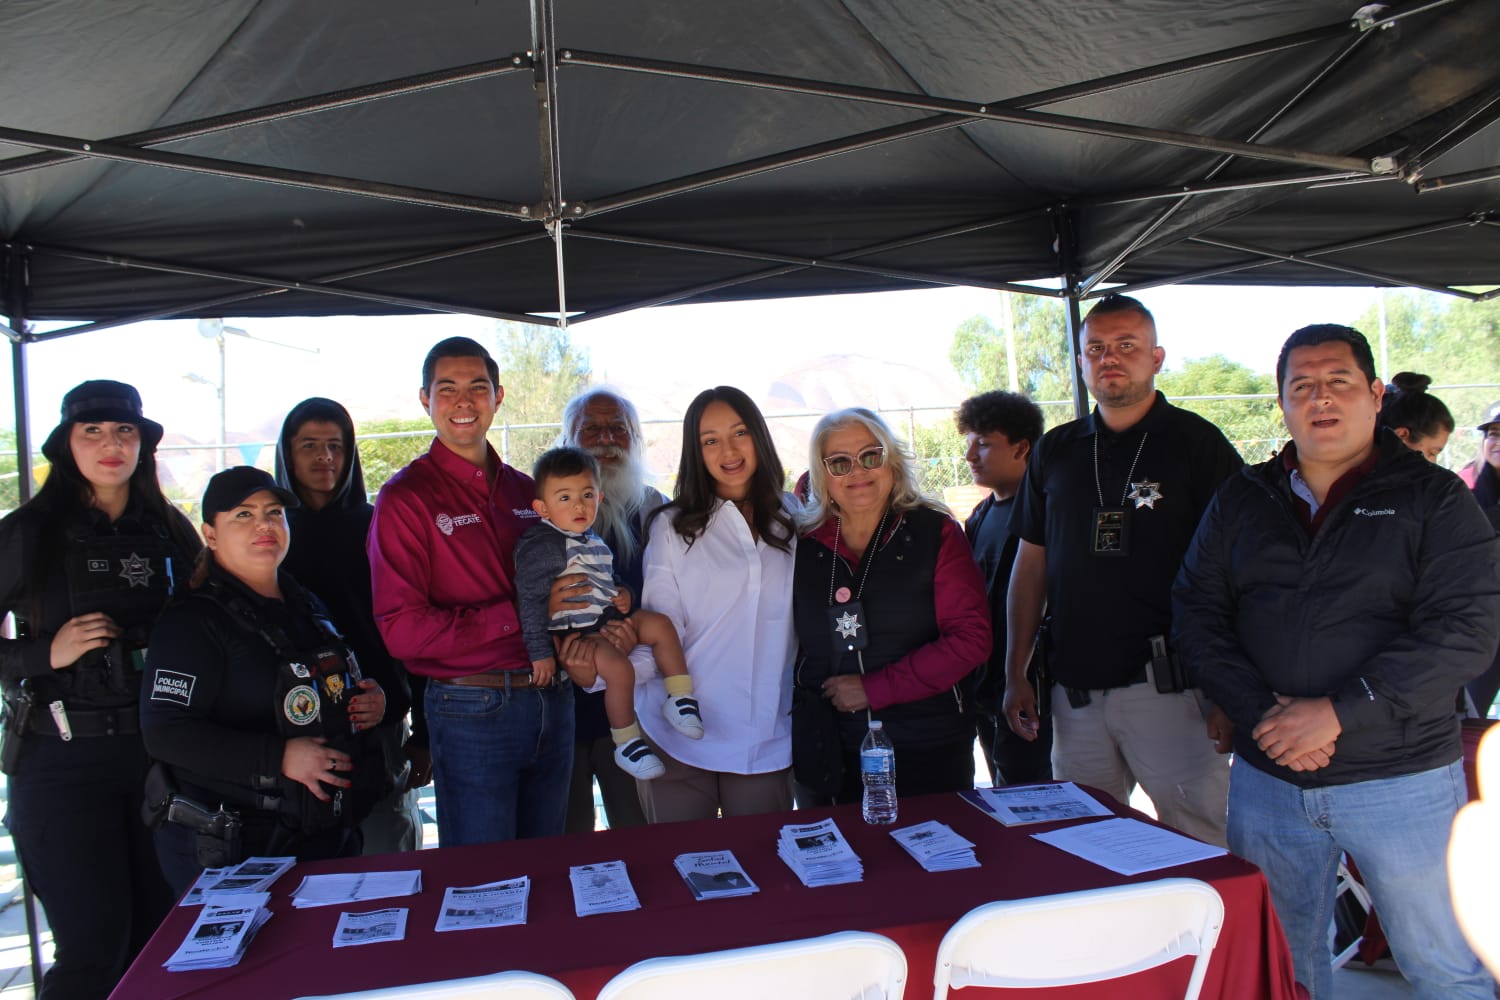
(730, 598)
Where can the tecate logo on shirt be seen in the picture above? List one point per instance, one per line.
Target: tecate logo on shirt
(1374, 511)
(446, 524)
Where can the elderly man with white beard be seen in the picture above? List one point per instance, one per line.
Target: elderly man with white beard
(606, 425)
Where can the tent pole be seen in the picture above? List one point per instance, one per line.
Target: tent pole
(1067, 254)
(544, 83)
(1154, 226)
(23, 417)
(280, 284)
(936, 123)
(1302, 258)
(976, 110)
(1364, 241)
(215, 306)
(13, 291)
(694, 291)
(400, 193)
(515, 63)
(839, 263)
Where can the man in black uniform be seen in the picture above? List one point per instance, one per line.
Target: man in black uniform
(1000, 428)
(1106, 511)
(318, 460)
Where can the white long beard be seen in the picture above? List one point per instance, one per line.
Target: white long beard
(624, 485)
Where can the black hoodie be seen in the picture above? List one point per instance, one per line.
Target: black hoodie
(328, 558)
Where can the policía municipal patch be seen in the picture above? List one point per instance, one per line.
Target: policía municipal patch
(169, 685)
(300, 705)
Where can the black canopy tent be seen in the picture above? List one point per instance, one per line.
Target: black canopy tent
(562, 160)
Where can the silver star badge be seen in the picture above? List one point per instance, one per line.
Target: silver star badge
(136, 571)
(1144, 494)
(848, 625)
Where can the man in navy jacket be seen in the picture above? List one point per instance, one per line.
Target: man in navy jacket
(1333, 602)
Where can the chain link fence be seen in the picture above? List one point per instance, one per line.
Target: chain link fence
(1252, 423)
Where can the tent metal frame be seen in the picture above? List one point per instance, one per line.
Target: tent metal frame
(559, 217)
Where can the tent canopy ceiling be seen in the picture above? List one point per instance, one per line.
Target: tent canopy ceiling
(168, 157)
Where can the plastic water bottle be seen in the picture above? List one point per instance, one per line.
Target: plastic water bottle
(877, 766)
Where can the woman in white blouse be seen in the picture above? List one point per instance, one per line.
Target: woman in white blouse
(718, 563)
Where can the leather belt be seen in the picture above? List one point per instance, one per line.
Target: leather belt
(508, 680)
(88, 722)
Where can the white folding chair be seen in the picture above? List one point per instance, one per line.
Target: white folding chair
(1081, 937)
(852, 965)
(499, 986)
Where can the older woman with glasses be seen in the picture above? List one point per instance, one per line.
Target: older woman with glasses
(892, 617)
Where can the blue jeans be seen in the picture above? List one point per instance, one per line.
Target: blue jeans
(501, 761)
(1396, 830)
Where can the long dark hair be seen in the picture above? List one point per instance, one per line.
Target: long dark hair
(66, 496)
(695, 496)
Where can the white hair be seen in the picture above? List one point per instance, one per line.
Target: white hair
(906, 493)
(623, 482)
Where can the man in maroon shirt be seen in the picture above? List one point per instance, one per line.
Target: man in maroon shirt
(442, 569)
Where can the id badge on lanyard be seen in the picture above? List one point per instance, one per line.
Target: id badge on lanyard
(1110, 532)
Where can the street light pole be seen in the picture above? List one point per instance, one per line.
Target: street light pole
(214, 329)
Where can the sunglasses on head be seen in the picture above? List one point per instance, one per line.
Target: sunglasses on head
(839, 466)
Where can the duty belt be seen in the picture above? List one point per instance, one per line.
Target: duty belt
(77, 722)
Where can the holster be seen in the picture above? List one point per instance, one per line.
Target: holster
(1166, 667)
(156, 794)
(15, 722)
(219, 840)
(1041, 669)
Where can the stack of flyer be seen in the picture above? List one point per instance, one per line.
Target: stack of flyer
(714, 875)
(493, 904)
(936, 847)
(250, 875)
(819, 854)
(370, 928)
(602, 888)
(222, 932)
(337, 890)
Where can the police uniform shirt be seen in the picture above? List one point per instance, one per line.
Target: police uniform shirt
(211, 705)
(1108, 594)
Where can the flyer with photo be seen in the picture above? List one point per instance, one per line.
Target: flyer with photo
(494, 904)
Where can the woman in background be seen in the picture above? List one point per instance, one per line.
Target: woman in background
(1419, 419)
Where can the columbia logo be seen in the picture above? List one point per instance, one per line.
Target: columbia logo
(1374, 511)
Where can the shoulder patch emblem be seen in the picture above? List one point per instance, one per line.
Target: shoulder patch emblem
(169, 685)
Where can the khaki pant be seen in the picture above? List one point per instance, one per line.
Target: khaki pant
(1137, 734)
(687, 792)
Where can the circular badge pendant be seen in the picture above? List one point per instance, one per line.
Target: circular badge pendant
(300, 705)
(842, 595)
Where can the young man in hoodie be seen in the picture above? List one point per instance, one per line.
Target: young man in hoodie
(318, 459)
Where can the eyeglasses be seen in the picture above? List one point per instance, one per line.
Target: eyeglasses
(839, 466)
(615, 432)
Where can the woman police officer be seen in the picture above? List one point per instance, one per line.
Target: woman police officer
(86, 566)
(253, 703)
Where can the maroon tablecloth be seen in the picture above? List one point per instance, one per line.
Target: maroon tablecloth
(293, 956)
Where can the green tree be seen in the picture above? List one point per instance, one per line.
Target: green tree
(1252, 425)
(1453, 341)
(541, 370)
(383, 457)
(1043, 358)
